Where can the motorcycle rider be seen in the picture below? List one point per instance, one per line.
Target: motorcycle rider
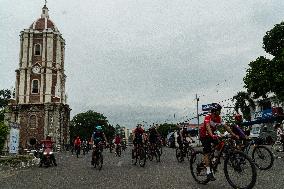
(47, 144)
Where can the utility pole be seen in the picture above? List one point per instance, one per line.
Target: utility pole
(197, 99)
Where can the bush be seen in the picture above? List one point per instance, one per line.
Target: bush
(4, 130)
(15, 160)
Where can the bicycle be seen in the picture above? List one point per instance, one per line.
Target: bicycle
(118, 150)
(235, 164)
(154, 151)
(185, 151)
(261, 155)
(97, 157)
(77, 149)
(140, 155)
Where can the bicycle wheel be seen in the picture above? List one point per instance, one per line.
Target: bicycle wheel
(119, 151)
(277, 149)
(142, 157)
(263, 157)
(179, 155)
(161, 150)
(190, 152)
(150, 155)
(134, 158)
(158, 156)
(100, 161)
(197, 168)
(240, 171)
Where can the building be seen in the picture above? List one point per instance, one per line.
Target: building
(40, 106)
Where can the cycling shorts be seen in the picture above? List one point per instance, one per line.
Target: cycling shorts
(207, 144)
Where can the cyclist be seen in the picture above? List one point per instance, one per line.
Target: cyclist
(138, 138)
(236, 127)
(77, 145)
(208, 136)
(153, 137)
(182, 139)
(117, 142)
(97, 137)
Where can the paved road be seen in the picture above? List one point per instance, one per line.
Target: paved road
(118, 172)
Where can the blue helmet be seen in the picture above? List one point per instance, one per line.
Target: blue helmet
(99, 128)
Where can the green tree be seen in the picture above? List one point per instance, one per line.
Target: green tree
(244, 103)
(258, 79)
(165, 128)
(4, 130)
(83, 125)
(273, 41)
(264, 75)
(5, 95)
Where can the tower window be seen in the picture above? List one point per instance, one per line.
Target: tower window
(35, 86)
(33, 121)
(37, 49)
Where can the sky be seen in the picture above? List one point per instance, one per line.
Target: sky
(144, 61)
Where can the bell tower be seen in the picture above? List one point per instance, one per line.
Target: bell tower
(40, 106)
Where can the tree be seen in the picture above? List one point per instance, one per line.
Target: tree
(5, 95)
(83, 125)
(244, 103)
(273, 41)
(165, 128)
(4, 130)
(263, 75)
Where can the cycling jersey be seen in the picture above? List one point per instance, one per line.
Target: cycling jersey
(138, 132)
(153, 136)
(98, 136)
(117, 140)
(238, 131)
(213, 125)
(77, 142)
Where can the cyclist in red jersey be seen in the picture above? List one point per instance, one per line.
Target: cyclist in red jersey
(207, 135)
(138, 138)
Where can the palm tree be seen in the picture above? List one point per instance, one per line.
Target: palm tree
(244, 103)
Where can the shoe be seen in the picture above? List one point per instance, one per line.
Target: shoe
(55, 164)
(211, 177)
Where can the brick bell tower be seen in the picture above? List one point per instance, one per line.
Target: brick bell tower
(40, 106)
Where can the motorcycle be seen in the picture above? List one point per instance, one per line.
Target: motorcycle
(47, 158)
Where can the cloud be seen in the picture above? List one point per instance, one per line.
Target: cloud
(149, 58)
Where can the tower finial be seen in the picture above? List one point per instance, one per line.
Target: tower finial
(45, 2)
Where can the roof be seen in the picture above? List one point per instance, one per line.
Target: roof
(43, 24)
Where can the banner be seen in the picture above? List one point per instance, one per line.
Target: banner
(14, 141)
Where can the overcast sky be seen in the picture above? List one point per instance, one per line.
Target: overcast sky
(144, 60)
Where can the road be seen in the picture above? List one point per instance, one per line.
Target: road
(118, 172)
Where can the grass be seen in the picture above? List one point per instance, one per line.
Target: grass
(15, 160)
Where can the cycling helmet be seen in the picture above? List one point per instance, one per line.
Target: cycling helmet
(139, 126)
(184, 127)
(238, 117)
(215, 107)
(99, 128)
